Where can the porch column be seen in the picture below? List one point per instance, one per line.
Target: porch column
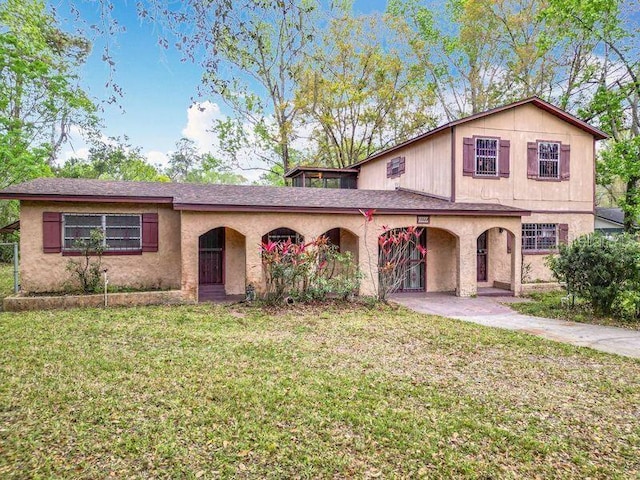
(516, 266)
(368, 260)
(189, 258)
(254, 261)
(467, 266)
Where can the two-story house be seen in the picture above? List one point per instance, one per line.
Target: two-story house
(494, 194)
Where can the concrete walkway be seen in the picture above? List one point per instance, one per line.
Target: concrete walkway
(488, 311)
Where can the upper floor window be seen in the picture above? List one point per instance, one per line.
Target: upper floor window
(548, 159)
(120, 232)
(486, 157)
(486, 153)
(395, 167)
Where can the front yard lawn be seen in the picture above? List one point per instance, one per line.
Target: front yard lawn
(550, 305)
(6, 280)
(211, 391)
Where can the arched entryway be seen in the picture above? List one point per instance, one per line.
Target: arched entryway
(494, 260)
(221, 264)
(409, 273)
(344, 240)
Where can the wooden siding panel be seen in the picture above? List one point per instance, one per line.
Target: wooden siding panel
(427, 168)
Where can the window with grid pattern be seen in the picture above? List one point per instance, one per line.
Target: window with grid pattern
(395, 167)
(486, 156)
(121, 232)
(539, 236)
(548, 160)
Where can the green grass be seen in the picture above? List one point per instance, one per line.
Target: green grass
(6, 280)
(209, 391)
(550, 305)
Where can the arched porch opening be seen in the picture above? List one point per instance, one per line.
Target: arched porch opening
(401, 264)
(221, 264)
(495, 261)
(442, 260)
(344, 240)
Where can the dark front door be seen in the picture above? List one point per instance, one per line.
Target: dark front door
(482, 257)
(212, 257)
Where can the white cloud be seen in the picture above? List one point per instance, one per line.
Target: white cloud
(200, 118)
(158, 158)
(82, 152)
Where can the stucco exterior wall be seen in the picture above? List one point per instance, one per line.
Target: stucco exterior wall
(451, 263)
(467, 230)
(578, 225)
(451, 242)
(46, 272)
(252, 226)
(427, 168)
(520, 125)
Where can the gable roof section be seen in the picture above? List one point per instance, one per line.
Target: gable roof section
(11, 228)
(538, 102)
(190, 196)
(614, 215)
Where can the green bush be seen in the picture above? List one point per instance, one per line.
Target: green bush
(604, 271)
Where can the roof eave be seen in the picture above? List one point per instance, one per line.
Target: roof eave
(84, 198)
(346, 210)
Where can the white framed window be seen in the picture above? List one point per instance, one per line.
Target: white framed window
(548, 160)
(539, 236)
(486, 157)
(122, 232)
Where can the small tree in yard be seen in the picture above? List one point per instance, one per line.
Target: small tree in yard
(87, 272)
(604, 271)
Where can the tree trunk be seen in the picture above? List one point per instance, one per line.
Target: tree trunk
(632, 201)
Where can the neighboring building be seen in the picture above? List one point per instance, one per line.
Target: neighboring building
(492, 191)
(609, 220)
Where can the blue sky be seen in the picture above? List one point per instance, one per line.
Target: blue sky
(158, 87)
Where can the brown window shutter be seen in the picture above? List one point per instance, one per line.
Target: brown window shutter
(468, 160)
(563, 233)
(52, 232)
(509, 242)
(532, 160)
(503, 158)
(402, 163)
(389, 169)
(149, 232)
(565, 154)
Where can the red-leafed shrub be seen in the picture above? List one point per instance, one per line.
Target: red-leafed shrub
(308, 271)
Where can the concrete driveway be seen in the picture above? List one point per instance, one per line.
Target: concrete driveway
(488, 311)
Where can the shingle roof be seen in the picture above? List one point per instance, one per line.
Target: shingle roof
(11, 228)
(615, 215)
(189, 196)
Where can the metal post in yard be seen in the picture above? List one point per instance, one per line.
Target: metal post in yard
(16, 266)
